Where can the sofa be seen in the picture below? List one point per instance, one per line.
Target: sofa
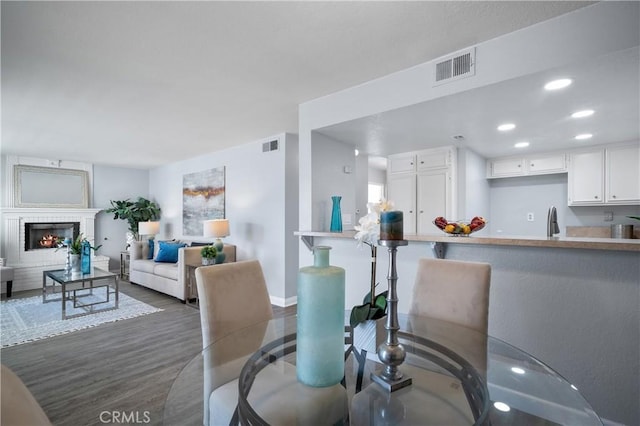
(166, 276)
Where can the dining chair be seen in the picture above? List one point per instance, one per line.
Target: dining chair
(19, 406)
(232, 296)
(453, 290)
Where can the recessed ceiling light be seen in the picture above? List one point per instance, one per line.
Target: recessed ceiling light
(583, 113)
(517, 370)
(558, 84)
(506, 127)
(521, 144)
(502, 406)
(355, 151)
(584, 136)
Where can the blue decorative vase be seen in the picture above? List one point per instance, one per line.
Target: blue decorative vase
(320, 337)
(336, 214)
(85, 257)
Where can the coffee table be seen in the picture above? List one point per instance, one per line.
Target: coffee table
(75, 286)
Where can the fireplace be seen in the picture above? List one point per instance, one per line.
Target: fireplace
(46, 235)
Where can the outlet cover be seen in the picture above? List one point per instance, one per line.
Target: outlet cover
(530, 217)
(608, 216)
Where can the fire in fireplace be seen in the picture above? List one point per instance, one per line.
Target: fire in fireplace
(46, 235)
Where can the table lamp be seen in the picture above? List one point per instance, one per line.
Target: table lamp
(217, 228)
(148, 228)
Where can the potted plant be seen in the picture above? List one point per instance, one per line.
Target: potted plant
(74, 248)
(141, 210)
(367, 320)
(209, 254)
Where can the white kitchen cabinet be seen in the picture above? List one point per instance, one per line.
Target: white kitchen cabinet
(401, 189)
(622, 176)
(436, 158)
(402, 164)
(605, 175)
(546, 164)
(586, 178)
(426, 193)
(524, 166)
(433, 189)
(506, 167)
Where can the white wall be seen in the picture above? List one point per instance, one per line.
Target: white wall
(115, 183)
(255, 204)
(329, 178)
(473, 189)
(512, 198)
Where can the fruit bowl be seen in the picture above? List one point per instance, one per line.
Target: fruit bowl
(460, 228)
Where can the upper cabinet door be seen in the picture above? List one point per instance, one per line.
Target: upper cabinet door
(547, 164)
(507, 167)
(434, 159)
(586, 178)
(402, 164)
(623, 174)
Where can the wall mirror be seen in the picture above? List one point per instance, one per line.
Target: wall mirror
(49, 187)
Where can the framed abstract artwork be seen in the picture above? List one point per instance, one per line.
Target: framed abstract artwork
(202, 199)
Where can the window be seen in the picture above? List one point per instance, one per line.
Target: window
(376, 192)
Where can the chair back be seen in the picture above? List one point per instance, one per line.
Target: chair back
(231, 296)
(453, 291)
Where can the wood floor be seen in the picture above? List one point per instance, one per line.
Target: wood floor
(126, 366)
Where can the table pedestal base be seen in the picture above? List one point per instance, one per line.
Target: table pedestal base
(390, 385)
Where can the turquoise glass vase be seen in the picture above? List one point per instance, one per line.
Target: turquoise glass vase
(336, 214)
(85, 257)
(320, 327)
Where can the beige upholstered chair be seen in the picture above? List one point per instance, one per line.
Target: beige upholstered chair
(232, 296)
(453, 291)
(19, 407)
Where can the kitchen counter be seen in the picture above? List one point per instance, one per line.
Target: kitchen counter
(500, 240)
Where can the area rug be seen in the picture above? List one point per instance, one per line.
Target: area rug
(27, 320)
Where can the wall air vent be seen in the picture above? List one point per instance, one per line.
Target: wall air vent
(270, 146)
(454, 67)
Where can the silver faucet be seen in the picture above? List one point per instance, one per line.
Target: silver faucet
(552, 222)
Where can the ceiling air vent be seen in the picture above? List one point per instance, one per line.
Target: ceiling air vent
(270, 146)
(454, 67)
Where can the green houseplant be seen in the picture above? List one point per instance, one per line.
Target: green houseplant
(208, 254)
(75, 246)
(141, 210)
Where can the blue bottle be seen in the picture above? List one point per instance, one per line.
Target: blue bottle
(85, 257)
(320, 327)
(336, 214)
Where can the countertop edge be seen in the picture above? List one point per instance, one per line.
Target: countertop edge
(523, 241)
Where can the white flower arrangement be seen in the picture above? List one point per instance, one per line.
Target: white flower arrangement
(369, 228)
(373, 306)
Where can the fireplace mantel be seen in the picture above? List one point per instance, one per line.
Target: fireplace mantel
(29, 264)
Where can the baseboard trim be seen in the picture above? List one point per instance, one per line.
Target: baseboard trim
(279, 301)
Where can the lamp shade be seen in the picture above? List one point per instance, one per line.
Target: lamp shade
(217, 228)
(148, 228)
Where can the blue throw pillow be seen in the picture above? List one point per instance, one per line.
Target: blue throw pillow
(151, 246)
(168, 252)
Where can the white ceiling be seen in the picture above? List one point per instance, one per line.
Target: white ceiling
(140, 84)
(609, 85)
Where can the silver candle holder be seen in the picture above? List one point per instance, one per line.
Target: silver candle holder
(391, 352)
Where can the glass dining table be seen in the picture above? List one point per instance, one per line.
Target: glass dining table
(458, 377)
